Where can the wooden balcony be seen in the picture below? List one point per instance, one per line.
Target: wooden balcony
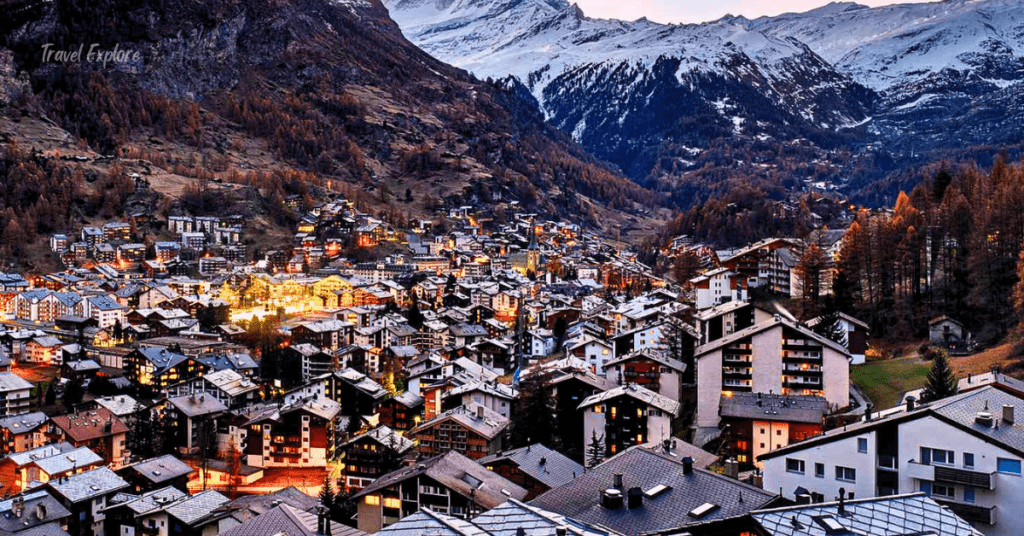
(964, 477)
(971, 513)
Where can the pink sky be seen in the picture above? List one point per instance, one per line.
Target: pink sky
(703, 10)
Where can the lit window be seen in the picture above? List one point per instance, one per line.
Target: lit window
(373, 500)
(392, 502)
(639, 412)
(614, 411)
(598, 409)
(639, 438)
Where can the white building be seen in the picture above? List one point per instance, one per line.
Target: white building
(775, 356)
(966, 452)
(719, 286)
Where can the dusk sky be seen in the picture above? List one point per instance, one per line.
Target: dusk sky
(703, 10)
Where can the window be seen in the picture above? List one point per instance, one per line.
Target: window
(1008, 466)
(392, 502)
(794, 466)
(846, 474)
(819, 470)
(943, 491)
(862, 444)
(373, 500)
(968, 494)
(778, 432)
(968, 459)
(937, 456)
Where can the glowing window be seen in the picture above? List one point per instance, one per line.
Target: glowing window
(373, 500)
(392, 502)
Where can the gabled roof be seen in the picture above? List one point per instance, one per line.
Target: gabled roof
(161, 468)
(657, 355)
(959, 411)
(384, 436)
(194, 509)
(489, 426)
(773, 407)
(23, 423)
(911, 514)
(426, 521)
(87, 485)
(67, 461)
(89, 425)
(510, 516)
(196, 405)
(636, 392)
(286, 519)
(779, 320)
(30, 524)
(543, 464)
(459, 474)
(646, 469)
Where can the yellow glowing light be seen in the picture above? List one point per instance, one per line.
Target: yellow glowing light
(373, 500)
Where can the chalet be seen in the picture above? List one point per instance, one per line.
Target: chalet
(649, 368)
(494, 396)
(226, 386)
(473, 431)
(626, 416)
(160, 368)
(99, 430)
(194, 416)
(15, 394)
(21, 432)
(156, 473)
(402, 412)
(372, 455)
(36, 513)
(294, 434)
(856, 332)
(450, 483)
(762, 422)
(534, 468)
(44, 351)
(86, 495)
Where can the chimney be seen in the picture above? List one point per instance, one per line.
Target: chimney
(687, 465)
(1008, 413)
(842, 502)
(732, 468)
(560, 531)
(867, 412)
(617, 480)
(323, 522)
(634, 498)
(803, 498)
(480, 412)
(969, 377)
(40, 511)
(910, 403)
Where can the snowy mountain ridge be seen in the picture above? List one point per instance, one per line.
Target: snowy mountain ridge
(947, 72)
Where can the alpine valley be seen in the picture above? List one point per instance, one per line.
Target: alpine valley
(852, 93)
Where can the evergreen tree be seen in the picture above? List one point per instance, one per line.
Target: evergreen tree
(51, 394)
(327, 494)
(830, 325)
(414, 315)
(941, 381)
(534, 416)
(73, 394)
(595, 450)
(809, 270)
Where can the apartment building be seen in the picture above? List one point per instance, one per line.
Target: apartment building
(626, 416)
(965, 452)
(777, 356)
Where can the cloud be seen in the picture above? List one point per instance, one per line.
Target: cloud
(692, 11)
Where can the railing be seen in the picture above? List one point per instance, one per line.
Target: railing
(971, 513)
(920, 471)
(974, 479)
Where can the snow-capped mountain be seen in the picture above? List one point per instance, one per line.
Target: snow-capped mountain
(947, 73)
(621, 87)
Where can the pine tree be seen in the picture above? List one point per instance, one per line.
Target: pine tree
(595, 450)
(830, 325)
(327, 493)
(941, 381)
(534, 416)
(809, 270)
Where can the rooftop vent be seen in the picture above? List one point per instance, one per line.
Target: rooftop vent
(611, 499)
(983, 418)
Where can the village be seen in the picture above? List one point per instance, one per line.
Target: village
(474, 378)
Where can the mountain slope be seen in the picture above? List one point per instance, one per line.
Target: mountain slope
(620, 87)
(653, 98)
(330, 88)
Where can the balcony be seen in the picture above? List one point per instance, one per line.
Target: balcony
(964, 477)
(920, 471)
(737, 375)
(971, 513)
